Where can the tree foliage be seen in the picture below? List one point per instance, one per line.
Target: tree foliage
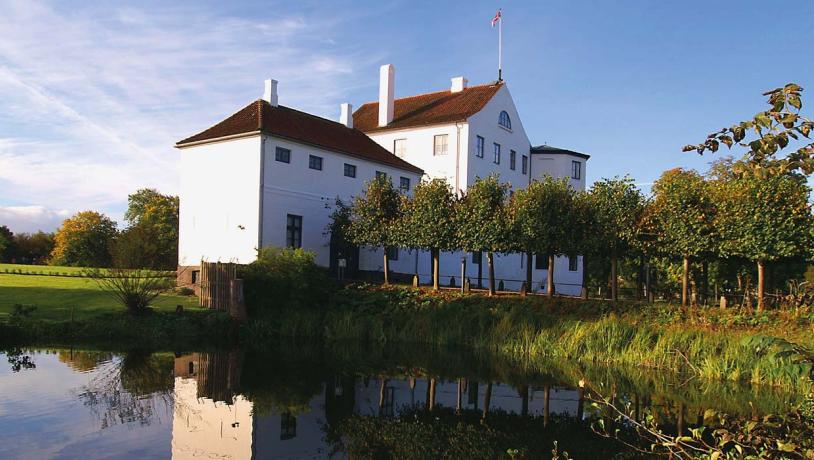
(483, 220)
(155, 216)
(683, 213)
(618, 206)
(83, 240)
(429, 217)
(543, 214)
(6, 244)
(373, 216)
(771, 131)
(33, 248)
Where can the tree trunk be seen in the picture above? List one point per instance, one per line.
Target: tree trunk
(490, 261)
(547, 398)
(487, 400)
(528, 271)
(585, 277)
(435, 268)
(614, 278)
(431, 400)
(459, 400)
(685, 283)
(386, 268)
(550, 283)
(761, 283)
(524, 396)
(704, 281)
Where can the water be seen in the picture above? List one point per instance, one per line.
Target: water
(307, 402)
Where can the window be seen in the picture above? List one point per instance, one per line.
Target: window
(504, 120)
(315, 162)
(350, 170)
(576, 170)
(196, 276)
(381, 175)
(497, 154)
(288, 426)
(293, 231)
(400, 147)
(476, 257)
(540, 262)
(441, 144)
(512, 159)
(479, 146)
(404, 183)
(282, 155)
(573, 263)
(393, 253)
(524, 164)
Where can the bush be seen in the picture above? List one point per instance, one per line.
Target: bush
(282, 278)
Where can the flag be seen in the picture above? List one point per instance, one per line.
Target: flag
(496, 18)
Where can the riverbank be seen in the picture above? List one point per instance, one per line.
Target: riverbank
(710, 344)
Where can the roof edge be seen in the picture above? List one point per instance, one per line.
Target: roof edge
(547, 149)
(183, 145)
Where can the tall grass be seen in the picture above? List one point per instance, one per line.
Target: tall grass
(535, 328)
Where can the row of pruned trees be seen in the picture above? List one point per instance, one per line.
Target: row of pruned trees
(689, 217)
(547, 217)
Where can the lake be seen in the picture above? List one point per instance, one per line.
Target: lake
(302, 401)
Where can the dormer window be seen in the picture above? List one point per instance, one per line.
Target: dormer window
(504, 120)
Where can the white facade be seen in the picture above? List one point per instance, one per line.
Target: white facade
(229, 209)
(461, 166)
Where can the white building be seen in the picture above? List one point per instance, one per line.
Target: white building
(460, 134)
(269, 175)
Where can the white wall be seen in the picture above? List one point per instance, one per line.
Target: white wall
(293, 188)
(420, 150)
(220, 202)
(485, 124)
(558, 165)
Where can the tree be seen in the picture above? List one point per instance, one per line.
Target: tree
(774, 130)
(542, 220)
(428, 221)
(682, 217)
(33, 248)
(84, 240)
(373, 215)
(618, 207)
(483, 223)
(6, 244)
(157, 216)
(764, 220)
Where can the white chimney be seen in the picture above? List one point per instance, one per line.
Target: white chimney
(346, 115)
(387, 81)
(458, 84)
(270, 93)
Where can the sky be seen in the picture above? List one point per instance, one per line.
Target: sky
(93, 95)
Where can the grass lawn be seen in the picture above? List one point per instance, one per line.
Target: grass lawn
(54, 297)
(59, 270)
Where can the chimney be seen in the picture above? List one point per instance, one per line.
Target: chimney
(387, 81)
(458, 84)
(270, 93)
(346, 115)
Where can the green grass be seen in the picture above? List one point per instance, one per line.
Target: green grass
(48, 269)
(56, 297)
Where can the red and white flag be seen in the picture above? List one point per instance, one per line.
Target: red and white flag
(496, 18)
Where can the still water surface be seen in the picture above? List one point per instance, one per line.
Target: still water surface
(302, 402)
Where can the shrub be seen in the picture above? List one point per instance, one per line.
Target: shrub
(281, 278)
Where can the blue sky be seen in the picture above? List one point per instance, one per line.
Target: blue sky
(94, 94)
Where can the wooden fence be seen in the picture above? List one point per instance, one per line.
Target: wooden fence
(221, 290)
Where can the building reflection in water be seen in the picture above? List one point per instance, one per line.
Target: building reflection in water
(213, 420)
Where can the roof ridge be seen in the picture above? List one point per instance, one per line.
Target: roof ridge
(483, 85)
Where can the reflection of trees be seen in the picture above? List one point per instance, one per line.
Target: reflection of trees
(19, 360)
(83, 361)
(129, 389)
(440, 433)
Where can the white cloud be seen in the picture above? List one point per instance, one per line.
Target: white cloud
(28, 219)
(95, 95)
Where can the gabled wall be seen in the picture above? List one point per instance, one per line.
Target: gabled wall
(220, 202)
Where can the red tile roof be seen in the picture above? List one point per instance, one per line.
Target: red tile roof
(427, 109)
(285, 122)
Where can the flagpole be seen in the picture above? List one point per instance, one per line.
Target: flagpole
(500, 48)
